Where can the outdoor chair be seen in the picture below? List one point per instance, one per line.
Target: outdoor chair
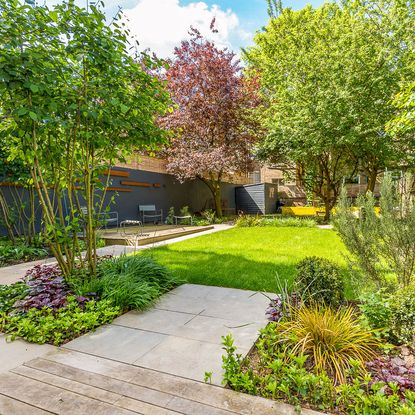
(150, 212)
(108, 218)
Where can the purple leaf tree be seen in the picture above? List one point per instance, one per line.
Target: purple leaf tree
(213, 124)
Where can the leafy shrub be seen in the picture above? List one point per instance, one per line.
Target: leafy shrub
(47, 325)
(332, 338)
(273, 371)
(319, 280)
(388, 370)
(247, 221)
(210, 216)
(9, 294)
(170, 216)
(200, 221)
(380, 244)
(402, 310)
(286, 377)
(19, 252)
(130, 282)
(393, 314)
(184, 211)
(366, 397)
(376, 311)
(280, 306)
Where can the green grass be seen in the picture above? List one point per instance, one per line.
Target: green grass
(250, 258)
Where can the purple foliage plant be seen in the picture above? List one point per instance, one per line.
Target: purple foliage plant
(47, 288)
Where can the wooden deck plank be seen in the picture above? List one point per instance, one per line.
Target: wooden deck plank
(61, 382)
(80, 382)
(209, 395)
(142, 394)
(10, 406)
(73, 383)
(93, 382)
(53, 399)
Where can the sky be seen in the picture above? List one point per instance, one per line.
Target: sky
(160, 25)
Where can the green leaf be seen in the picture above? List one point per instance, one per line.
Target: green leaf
(53, 106)
(34, 88)
(54, 16)
(124, 108)
(22, 111)
(33, 115)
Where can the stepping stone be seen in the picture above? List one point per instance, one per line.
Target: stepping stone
(117, 343)
(185, 357)
(160, 321)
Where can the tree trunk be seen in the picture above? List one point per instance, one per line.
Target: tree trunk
(214, 187)
(6, 217)
(327, 209)
(218, 201)
(371, 181)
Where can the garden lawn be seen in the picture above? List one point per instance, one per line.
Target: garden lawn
(250, 258)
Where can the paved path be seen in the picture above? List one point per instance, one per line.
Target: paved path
(13, 273)
(148, 362)
(182, 334)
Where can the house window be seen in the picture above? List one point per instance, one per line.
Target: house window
(255, 177)
(279, 182)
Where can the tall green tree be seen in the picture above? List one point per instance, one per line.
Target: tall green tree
(75, 100)
(328, 75)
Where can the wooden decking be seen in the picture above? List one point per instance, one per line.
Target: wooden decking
(73, 383)
(151, 234)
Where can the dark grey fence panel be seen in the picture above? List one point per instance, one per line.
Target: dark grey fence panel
(162, 190)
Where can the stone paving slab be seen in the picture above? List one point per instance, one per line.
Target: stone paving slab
(182, 334)
(74, 383)
(187, 358)
(116, 342)
(159, 321)
(13, 354)
(208, 329)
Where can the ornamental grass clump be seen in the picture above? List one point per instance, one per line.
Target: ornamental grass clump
(332, 338)
(130, 282)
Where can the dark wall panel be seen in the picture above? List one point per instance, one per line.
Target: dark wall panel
(257, 198)
(271, 196)
(162, 190)
(250, 199)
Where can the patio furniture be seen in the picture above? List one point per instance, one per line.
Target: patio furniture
(130, 232)
(108, 218)
(150, 212)
(125, 224)
(180, 218)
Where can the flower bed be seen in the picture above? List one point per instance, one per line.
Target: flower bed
(19, 252)
(46, 308)
(319, 352)
(276, 369)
